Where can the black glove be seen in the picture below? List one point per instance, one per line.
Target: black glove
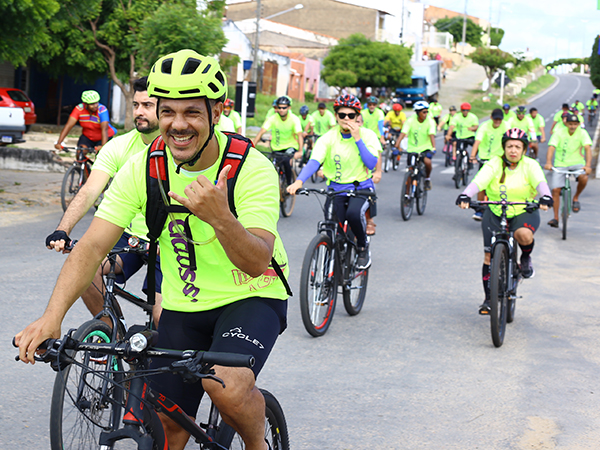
(58, 235)
(547, 201)
(462, 198)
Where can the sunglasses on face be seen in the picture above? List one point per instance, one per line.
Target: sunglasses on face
(349, 115)
(281, 107)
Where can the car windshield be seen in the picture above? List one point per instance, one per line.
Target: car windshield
(418, 82)
(17, 96)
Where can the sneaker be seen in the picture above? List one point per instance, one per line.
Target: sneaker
(484, 308)
(427, 185)
(364, 258)
(478, 216)
(526, 267)
(553, 223)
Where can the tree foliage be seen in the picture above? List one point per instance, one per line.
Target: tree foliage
(491, 59)
(357, 61)
(595, 64)
(496, 35)
(24, 28)
(454, 26)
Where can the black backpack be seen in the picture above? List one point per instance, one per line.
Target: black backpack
(157, 211)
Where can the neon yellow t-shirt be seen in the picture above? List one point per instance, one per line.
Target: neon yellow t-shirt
(435, 109)
(395, 120)
(113, 156)
(558, 116)
(591, 104)
(371, 120)
(323, 122)
(340, 156)
(216, 282)
(446, 121)
(418, 134)
(284, 133)
(225, 124)
(579, 106)
(490, 139)
(525, 125)
(462, 123)
(569, 149)
(305, 122)
(520, 184)
(508, 116)
(538, 123)
(237, 119)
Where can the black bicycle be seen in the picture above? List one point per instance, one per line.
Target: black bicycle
(462, 165)
(390, 158)
(76, 175)
(566, 197)
(113, 404)
(286, 200)
(413, 186)
(505, 273)
(591, 115)
(330, 261)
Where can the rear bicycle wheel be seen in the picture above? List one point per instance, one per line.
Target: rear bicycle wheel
(406, 198)
(276, 430)
(287, 201)
(566, 206)
(73, 180)
(84, 403)
(355, 283)
(499, 293)
(318, 286)
(421, 196)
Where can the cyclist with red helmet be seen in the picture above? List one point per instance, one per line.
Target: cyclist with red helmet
(348, 153)
(465, 124)
(517, 178)
(228, 111)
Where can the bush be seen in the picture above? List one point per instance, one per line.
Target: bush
(309, 97)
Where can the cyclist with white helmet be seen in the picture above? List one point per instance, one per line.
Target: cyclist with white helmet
(231, 284)
(420, 130)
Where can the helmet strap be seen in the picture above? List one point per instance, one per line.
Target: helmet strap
(196, 157)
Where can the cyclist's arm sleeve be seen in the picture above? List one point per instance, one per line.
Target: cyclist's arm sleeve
(543, 189)
(103, 115)
(380, 125)
(471, 190)
(368, 159)
(311, 167)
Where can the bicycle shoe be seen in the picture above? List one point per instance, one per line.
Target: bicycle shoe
(484, 308)
(364, 258)
(478, 216)
(553, 223)
(427, 185)
(526, 267)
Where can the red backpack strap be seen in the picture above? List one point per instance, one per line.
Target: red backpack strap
(235, 153)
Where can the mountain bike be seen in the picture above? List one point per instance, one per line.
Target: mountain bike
(114, 407)
(447, 151)
(414, 186)
(76, 175)
(591, 115)
(566, 199)
(286, 200)
(330, 261)
(462, 165)
(505, 273)
(391, 155)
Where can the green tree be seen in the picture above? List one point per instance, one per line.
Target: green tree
(491, 59)
(123, 38)
(595, 64)
(496, 35)
(357, 61)
(24, 28)
(454, 26)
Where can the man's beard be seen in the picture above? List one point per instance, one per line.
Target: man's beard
(144, 127)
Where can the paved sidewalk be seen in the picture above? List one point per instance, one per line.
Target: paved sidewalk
(455, 89)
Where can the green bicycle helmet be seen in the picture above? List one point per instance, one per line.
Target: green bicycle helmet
(90, 97)
(187, 74)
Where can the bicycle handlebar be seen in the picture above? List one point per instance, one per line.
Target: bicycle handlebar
(567, 171)
(333, 193)
(529, 206)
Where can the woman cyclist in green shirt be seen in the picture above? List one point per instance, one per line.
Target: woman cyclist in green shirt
(519, 178)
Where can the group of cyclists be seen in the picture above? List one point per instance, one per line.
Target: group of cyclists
(181, 110)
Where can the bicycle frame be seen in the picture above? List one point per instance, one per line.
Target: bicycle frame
(418, 172)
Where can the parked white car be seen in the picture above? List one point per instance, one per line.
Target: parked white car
(12, 125)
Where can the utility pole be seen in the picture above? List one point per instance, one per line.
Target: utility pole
(254, 76)
(464, 36)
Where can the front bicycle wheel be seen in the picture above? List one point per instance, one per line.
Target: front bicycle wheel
(566, 206)
(73, 180)
(386, 160)
(421, 196)
(406, 198)
(276, 430)
(287, 201)
(87, 398)
(465, 171)
(458, 172)
(318, 286)
(355, 283)
(499, 293)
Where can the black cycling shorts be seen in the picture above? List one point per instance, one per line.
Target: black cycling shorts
(85, 141)
(491, 223)
(249, 327)
(133, 262)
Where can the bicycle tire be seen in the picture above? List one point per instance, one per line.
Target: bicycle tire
(386, 157)
(465, 171)
(276, 430)
(448, 152)
(566, 206)
(78, 409)
(72, 182)
(318, 286)
(406, 200)
(499, 293)
(512, 298)
(355, 283)
(287, 201)
(395, 161)
(457, 172)
(421, 196)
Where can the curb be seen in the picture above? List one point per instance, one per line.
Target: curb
(13, 158)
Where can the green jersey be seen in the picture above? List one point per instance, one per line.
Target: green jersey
(225, 124)
(323, 122)
(305, 122)
(236, 118)
(490, 139)
(509, 115)
(113, 156)
(578, 105)
(591, 104)
(520, 183)
(217, 281)
(462, 125)
(570, 149)
(525, 125)
(558, 116)
(446, 121)
(284, 133)
(340, 156)
(435, 109)
(418, 134)
(538, 123)
(372, 119)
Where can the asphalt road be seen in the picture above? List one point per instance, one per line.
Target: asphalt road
(416, 369)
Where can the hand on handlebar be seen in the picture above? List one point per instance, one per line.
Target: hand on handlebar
(463, 201)
(292, 188)
(30, 339)
(59, 241)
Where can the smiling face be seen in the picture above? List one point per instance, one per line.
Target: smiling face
(184, 125)
(144, 113)
(513, 150)
(91, 107)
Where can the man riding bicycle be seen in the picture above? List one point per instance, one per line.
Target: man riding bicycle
(465, 124)
(524, 123)
(571, 148)
(394, 120)
(373, 118)
(232, 114)
(539, 125)
(230, 287)
(94, 120)
(323, 120)
(348, 153)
